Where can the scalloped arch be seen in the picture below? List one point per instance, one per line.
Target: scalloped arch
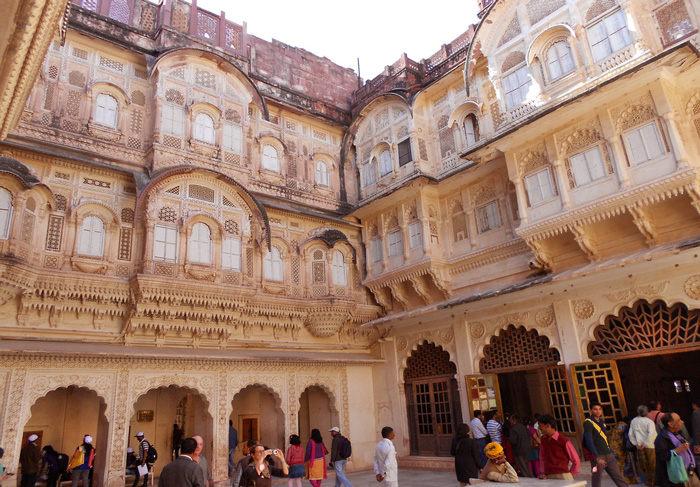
(176, 382)
(499, 333)
(185, 55)
(418, 343)
(313, 382)
(277, 395)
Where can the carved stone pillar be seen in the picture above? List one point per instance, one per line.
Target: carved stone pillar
(219, 454)
(18, 205)
(676, 141)
(12, 422)
(147, 267)
(522, 201)
(118, 417)
(620, 162)
(473, 228)
(563, 178)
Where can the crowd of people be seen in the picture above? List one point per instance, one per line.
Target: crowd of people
(654, 447)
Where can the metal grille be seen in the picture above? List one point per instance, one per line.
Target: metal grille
(560, 399)
(427, 361)
(646, 326)
(518, 348)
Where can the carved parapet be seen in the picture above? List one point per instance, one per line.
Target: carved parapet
(89, 265)
(104, 133)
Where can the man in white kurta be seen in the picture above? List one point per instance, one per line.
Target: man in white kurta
(385, 465)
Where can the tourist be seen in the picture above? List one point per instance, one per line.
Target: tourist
(237, 479)
(316, 456)
(494, 426)
(386, 468)
(295, 460)
(596, 440)
(201, 459)
(29, 458)
(497, 467)
(261, 466)
(183, 471)
(49, 463)
(520, 443)
(82, 461)
(144, 445)
(338, 461)
(479, 434)
(642, 435)
(618, 438)
(467, 455)
(558, 457)
(671, 439)
(232, 444)
(178, 433)
(533, 459)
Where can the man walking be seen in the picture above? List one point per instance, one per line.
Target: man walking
(479, 433)
(385, 466)
(183, 471)
(642, 434)
(595, 439)
(520, 443)
(29, 457)
(144, 445)
(338, 461)
(558, 457)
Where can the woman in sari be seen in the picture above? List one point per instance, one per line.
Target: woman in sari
(316, 458)
(617, 445)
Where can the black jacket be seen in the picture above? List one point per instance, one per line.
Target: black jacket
(663, 447)
(467, 458)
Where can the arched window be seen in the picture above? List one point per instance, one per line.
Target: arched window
(370, 172)
(200, 243)
(516, 86)
(273, 268)
(385, 163)
(106, 110)
(559, 60)
(204, 128)
(270, 159)
(5, 213)
(322, 174)
(92, 237)
(340, 271)
(231, 254)
(471, 129)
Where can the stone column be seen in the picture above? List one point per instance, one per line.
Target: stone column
(118, 417)
(12, 421)
(676, 140)
(522, 201)
(560, 171)
(620, 161)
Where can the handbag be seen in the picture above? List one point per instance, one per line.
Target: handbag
(78, 458)
(675, 468)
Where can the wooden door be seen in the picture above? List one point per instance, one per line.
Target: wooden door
(599, 382)
(432, 408)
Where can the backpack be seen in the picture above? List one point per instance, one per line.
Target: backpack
(151, 454)
(345, 449)
(62, 463)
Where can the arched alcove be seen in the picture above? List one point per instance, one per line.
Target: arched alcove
(257, 414)
(317, 409)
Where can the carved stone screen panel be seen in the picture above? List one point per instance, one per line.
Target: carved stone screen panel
(646, 327)
(428, 361)
(516, 348)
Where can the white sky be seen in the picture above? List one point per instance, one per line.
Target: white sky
(377, 31)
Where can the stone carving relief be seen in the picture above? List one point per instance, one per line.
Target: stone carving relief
(443, 337)
(646, 291)
(584, 308)
(692, 287)
(545, 317)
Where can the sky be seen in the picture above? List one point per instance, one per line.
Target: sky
(377, 31)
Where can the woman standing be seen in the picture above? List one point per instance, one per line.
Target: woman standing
(533, 460)
(617, 445)
(295, 460)
(261, 466)
(467, 455)
(316, 456)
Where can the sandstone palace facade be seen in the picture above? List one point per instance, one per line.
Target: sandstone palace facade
(199, 225)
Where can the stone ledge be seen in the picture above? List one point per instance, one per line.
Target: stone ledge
(427, 463)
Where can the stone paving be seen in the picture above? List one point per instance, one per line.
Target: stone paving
(418, 478)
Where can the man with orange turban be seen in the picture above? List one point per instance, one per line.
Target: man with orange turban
(497, 469)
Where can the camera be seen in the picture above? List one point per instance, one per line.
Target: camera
(275, 452)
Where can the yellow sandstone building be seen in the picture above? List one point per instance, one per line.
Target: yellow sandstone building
(198, 225)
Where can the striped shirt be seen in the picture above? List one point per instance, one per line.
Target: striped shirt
(494, 428)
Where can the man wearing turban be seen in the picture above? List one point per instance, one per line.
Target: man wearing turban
(497, 469)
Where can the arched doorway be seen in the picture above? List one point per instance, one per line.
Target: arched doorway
(157, 410)
(433, 400)
(643, 353)
(64, 416)
(316, 410)
(521, 367)
(257, 414)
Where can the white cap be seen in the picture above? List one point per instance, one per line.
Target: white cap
(33, 437)
(140, 433)
(87, 439)
(335, 428)
(130, 450)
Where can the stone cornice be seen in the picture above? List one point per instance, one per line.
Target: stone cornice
(489, 255)
(680, 182)
(405, 273)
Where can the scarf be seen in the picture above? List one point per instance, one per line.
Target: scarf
(687, 456)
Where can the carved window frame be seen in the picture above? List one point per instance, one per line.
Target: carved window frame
(273, 264)
(106, 110)
(92, 236)
(660, 139)
(508, 91)
(603, 20)
(339, 269)
(538, 174)
(200, 244)
(6, 212)
(169, 230)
